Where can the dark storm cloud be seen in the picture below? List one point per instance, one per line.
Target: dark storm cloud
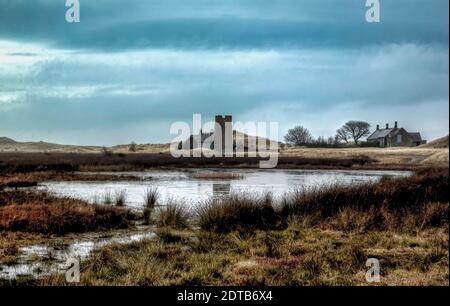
(130, 68)
(117, 25)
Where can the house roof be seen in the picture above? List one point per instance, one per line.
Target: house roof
(416, 137)
(379, 134)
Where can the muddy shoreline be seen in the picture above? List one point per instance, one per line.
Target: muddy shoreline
(44, 256)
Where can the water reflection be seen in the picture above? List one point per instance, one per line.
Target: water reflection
(221, 189)
(182, 187)
(45, 259)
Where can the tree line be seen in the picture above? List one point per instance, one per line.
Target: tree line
(350, 132)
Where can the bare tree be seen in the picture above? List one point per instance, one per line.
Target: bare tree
(341, 135)
(298, 136)
(353, 130)
(321, 141)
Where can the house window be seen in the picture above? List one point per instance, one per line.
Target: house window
(399, 138)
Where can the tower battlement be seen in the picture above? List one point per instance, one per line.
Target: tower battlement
(221, 132)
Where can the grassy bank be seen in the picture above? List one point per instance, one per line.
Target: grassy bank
(29, 179)
(393, 203)
(29, 218)
(39, 212)
(410, 203)
(296, 256)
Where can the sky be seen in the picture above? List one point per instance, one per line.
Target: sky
(129, 69)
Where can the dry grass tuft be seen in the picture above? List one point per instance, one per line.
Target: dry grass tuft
(239, 213)
(151, 197)
(173, 215)
(120, 198)
(150, 201)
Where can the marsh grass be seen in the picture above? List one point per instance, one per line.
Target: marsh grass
(318, 258)
(147, 215)
(317, 237)
(107, 198)
(239, 213)
(277, 244)
(44, 213)
(120, 198)
(173, 215)
(150, 201)
(391, 194)
(409, 203)
(151, 197)
(399, 204)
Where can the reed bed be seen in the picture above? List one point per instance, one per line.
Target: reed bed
(407, 203)
(239, 212)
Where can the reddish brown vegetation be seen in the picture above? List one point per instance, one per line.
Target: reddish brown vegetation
(39, 212)
(18, 180)
(29, 162)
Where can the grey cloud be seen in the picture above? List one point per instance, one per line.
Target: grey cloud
(131, 68)
(113, 25)
(100, 91)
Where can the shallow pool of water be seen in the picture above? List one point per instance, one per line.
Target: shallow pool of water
(52, 256)
(182, 186)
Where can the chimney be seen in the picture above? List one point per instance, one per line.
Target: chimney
(387, 126)
(378, 127)
(396, 124)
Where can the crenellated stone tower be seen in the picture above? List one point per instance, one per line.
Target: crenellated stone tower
(223, 134)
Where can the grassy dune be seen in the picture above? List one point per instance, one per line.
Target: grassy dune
(418, 156)
(440, 143)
